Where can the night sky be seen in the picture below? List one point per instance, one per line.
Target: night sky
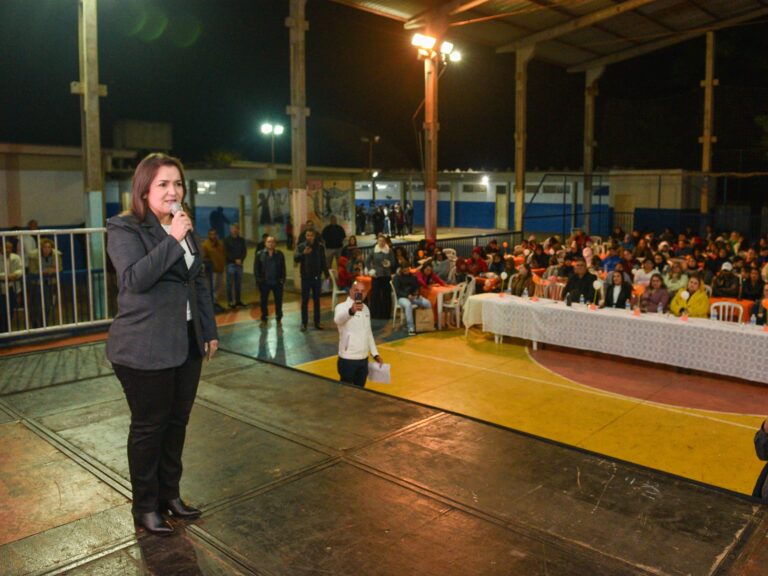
(216, 70)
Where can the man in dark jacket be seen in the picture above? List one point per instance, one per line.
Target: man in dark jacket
(235, 251)
(580, 284)
(311, 257)
(269, 271)
(333, 238)
(726, 284)
(407, 291)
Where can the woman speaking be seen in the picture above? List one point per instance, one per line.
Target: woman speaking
(163, 328)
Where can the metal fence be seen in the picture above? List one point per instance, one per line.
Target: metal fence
(462, 244)
(54, 280)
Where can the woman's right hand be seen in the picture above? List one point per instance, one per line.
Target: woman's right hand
(180, 225)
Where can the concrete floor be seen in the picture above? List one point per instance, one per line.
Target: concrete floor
(298, 474)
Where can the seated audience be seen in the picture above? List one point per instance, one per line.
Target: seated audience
(538, 259)
(655, 296)
(441, 265)
(522, 281)
(612, 258)
(476, 264)
(693, 300)
(426, 277)
(407, 291)
(752, 285)
(497, 264)
(618, 292)
(581, 284)
(349, 246)
(643, 275)
(759, 309)
(726, 283)
(675, 279)
(344, 278)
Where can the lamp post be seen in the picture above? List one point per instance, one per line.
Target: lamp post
(432, 61)
(371, 141)
(272, 130)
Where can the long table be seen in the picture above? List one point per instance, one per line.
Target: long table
(724, 348)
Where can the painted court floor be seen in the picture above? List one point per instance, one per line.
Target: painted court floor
(694, 426)
(297, 474)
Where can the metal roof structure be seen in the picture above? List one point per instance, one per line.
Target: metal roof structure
(575, 34)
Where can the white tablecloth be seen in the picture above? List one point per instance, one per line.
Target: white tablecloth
(700, 344)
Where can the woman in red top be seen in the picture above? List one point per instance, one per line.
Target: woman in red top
(476, 265)
(427, 277)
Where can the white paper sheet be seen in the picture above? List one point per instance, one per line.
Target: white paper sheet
(379, 373)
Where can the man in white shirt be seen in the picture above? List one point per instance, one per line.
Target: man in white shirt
(29, 242)
(356, 341)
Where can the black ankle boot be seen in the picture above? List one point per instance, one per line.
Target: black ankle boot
(180, 510)
(153, 523)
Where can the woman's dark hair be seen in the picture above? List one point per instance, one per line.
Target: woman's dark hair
(657, 275)
(142, 179)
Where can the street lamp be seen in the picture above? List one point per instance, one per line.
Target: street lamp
(272, 130)
(432, 60)
(371, 141)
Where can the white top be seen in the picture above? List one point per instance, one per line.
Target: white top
(616, 292)
(355, 334)
(188, 260)
(30, 245)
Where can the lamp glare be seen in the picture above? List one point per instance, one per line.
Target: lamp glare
(455, 56)
(279, 129)
(423, 41)
(446, 47)
(266, 128)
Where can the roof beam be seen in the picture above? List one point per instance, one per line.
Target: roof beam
(573, 25)
(442, 11)
(671, 41)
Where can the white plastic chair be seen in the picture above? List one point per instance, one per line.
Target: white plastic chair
(555, 291)
(726, 311)
(396, 308)
(451, 304)
(335, 289)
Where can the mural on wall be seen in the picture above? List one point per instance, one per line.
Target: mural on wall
(272, 207)
(272, 211)
(337, 196)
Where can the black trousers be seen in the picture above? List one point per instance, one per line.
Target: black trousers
(310, 284)
(160, 403)
(277, 291)
(353, 371)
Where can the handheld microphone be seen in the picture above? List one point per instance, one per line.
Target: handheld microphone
(190, 237)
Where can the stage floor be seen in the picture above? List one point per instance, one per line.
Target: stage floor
(298, 474)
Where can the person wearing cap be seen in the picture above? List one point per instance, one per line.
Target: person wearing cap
(726, 283)
(477, 265)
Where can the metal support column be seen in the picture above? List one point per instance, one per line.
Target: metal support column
(590, 94)
(89, 89)
(522, 57)
(298, 110)
(431, 128)
(707, 139)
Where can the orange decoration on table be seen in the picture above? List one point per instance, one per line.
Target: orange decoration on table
(636, 312)
(765, 303)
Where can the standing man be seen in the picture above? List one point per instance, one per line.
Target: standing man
(333, 238)
(215, 261)
(235, 250)
(356, 342)
(269, 271)
(218, 221)
(311, 257)
(310, 225)
(360, 220)
(29, 242)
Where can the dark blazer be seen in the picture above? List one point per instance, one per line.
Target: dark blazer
(154, 285)
(259, 263)
(624, 294)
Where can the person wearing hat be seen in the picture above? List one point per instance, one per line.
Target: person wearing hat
(477, 265)
(726, 283)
